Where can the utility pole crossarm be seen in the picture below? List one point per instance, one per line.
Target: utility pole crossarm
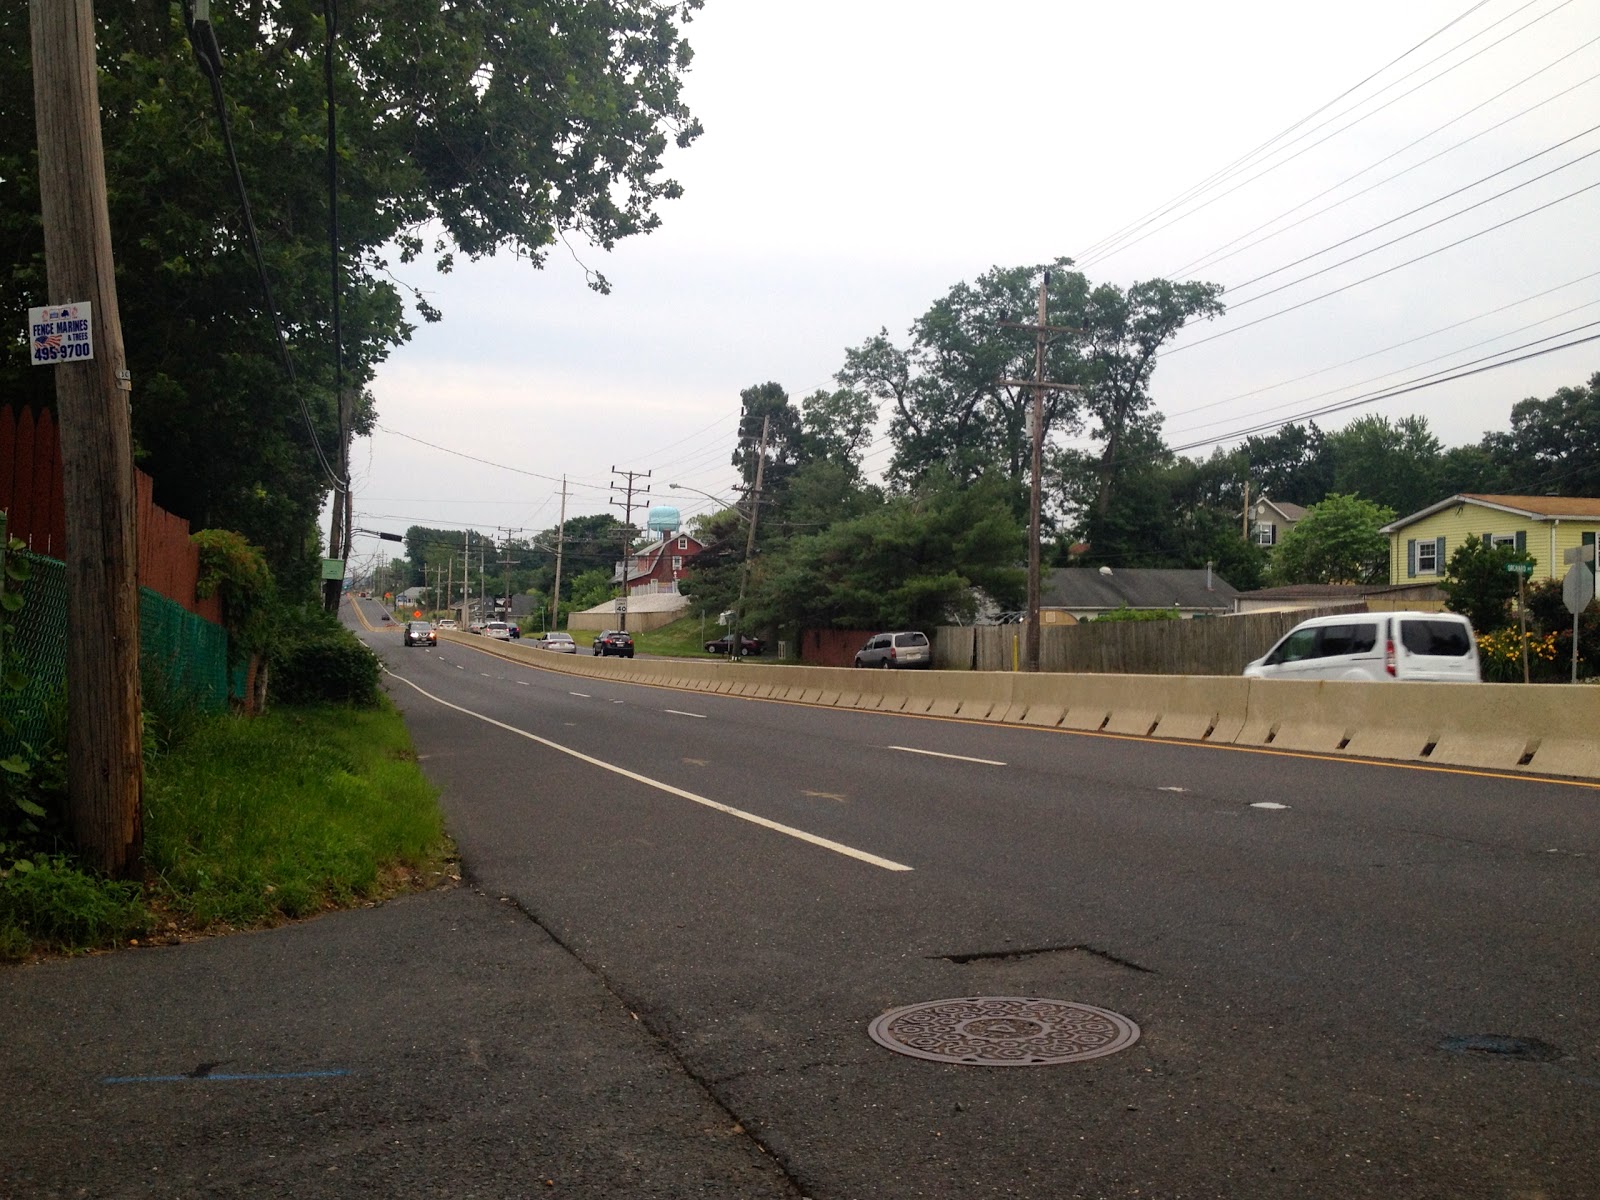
(1046, 384)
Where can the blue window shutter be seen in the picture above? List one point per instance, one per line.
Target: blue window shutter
(1589, 540)
(1411, 558)
(1488, 539)
(1522, 541)
(1438, 557)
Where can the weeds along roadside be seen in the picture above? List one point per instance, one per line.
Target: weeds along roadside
(248, 822)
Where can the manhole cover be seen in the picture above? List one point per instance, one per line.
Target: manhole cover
(1003, 1031)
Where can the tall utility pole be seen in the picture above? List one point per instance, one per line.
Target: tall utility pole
(105, 774)
(735, 645)
(506, 564)
(1040, 385)
(561, 538)
(627, 534)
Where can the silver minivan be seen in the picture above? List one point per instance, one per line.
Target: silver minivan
(1419, 646)
(907, 648)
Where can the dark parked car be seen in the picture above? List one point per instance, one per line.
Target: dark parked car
(614, 641)
(420, 633)
(747, 645)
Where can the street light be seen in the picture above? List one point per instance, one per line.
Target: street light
(736, 630)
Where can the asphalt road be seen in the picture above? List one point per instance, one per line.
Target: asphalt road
(1300, 973)
(685, 910)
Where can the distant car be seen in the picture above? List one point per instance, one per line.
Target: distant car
(516, 630)
(497, 629)
(561, 643)
(420, 633)
(1376, 647)
(901, 649)
(446, 624)
(613, 641)
(747, 645)
(475, 627)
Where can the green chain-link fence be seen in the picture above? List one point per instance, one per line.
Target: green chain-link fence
(179, 651)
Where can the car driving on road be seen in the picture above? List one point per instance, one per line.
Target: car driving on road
(561, 643)
(420, 633)
(613, 641)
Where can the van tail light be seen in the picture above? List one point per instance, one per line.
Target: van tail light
(1388, 655)
(891, 653)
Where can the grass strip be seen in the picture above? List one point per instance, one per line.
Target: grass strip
(250, 822)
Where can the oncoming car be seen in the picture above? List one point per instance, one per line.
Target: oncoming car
(420, 633)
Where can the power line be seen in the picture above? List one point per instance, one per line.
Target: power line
(1103, 246)
(1386, 394)
(1352, 124)
(1379, 274)
(1421, 228)
(1429, 361)
(1212, 257)
(1395, 346)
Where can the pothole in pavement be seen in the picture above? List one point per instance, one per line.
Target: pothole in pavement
(1003, 1031)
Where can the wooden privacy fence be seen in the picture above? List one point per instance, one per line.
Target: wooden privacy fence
(31, 494)
(1206, 646)
(832, 647)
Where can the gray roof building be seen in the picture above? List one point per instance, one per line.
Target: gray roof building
(1089, 591)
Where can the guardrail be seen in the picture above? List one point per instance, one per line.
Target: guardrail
(1545, 729)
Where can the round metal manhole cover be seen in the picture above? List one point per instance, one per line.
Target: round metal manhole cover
(1003, 1031)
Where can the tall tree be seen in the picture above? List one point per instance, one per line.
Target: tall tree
(1550, 448)
(463, 128)
(1337, 541)
(1393, 463)
(1124, 330)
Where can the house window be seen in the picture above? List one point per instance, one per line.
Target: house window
(1263, 533)
(1427, 557)
(683, 543)
(677, 562)
(1504, 539)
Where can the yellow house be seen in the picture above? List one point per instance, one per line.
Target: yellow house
(1546, 527)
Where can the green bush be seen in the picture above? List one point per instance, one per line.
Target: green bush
(50, 903)
(316, 660)
(1139, 614)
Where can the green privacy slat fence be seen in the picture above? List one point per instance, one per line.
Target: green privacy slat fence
(179, 651)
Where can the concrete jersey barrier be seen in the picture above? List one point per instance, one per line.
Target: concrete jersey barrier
(1547, 729)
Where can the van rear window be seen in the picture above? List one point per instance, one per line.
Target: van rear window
(1441, 639)
(912, 639)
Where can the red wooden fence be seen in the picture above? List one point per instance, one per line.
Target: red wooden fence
(32, 496)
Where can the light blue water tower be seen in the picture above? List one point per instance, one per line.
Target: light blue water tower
(664, 519)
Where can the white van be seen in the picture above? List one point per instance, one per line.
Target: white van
(1428, 647)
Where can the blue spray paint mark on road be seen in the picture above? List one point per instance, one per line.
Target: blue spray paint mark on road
(218, 1078)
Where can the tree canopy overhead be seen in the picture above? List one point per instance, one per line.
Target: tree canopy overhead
(473, 127)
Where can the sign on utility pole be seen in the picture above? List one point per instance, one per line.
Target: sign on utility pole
(1522, 570)
(78, 336)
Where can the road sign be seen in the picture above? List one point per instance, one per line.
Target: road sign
(1577, 588)
(1520, 568)
(622, 604)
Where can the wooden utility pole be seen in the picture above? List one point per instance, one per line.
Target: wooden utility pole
(105, 774)
(1038, 383)
(627, 535)
(735, 636)
(561, 538)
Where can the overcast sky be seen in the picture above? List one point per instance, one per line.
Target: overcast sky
(861, 158)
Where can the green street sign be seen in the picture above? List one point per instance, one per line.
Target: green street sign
(1520, 568)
